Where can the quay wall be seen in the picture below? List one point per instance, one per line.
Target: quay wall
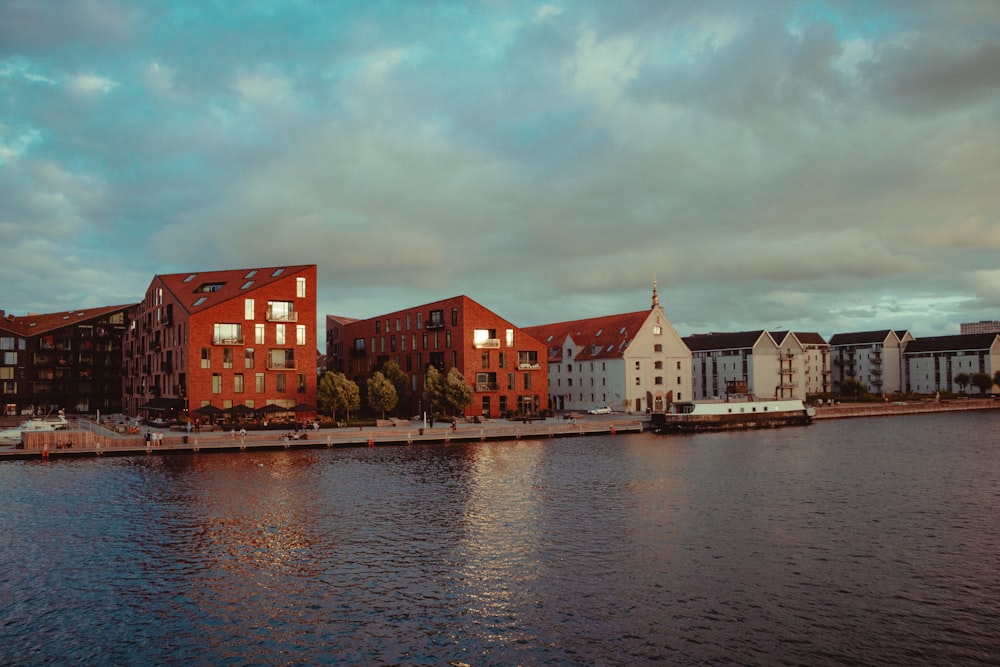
(848, 410)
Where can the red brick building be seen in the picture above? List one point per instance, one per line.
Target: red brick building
(223, 339)
(504, 366)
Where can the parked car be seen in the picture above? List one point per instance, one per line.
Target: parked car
(601, 410)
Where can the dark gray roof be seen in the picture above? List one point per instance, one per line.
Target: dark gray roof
(740, 340)
(964, 342)
(860, 337)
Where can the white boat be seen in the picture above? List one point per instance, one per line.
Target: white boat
(694, 416)
(15, 435)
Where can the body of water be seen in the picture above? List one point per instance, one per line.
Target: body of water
(848, 542)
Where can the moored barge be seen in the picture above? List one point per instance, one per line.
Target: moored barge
(695, 417)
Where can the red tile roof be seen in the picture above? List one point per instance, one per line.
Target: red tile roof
(604, 337)
(35, 323)
(210, 288)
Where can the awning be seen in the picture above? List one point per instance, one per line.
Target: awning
(208, 410)
(163, 404)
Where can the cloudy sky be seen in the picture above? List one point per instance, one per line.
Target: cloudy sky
(819, 166)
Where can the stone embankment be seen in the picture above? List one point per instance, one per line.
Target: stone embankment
(888, 409)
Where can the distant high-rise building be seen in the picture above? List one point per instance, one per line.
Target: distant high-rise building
(985, 326)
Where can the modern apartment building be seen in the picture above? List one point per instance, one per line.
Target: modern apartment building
(873, 358)
(629, 362)
(223, 339)
(748, 361)
(804, 364)
(70, 361)
(502, 363)
(931, 364)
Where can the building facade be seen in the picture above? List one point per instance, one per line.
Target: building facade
(932, 364)
(68, 361)
(223, 339)
(747, 360)
(873, 358)
(983, 326)
(803, 364)
(502, 363)
(633, 362)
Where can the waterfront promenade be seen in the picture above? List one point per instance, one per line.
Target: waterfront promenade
(88, 439)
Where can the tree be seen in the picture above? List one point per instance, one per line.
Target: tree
(336, 392)
(433, 390)
(394, 374)
(982, 381)
(851, 388)
(457, 392)
(962, 380)
(381, 393)
(996, 378)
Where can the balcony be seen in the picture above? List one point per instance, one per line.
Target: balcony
(287, 365)
(228, 341)
(435, 325)
(487, 386)
(282, 316)
(488, 344)
(529, 367)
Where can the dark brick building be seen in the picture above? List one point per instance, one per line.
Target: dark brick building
(70, 361)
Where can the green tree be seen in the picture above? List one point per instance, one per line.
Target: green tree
(433, 390)
(962, 380)
(394, 374)
(337, 393)
(982, 381)
(996, 378)
(851, 388)
(457, 392)
(381, 393)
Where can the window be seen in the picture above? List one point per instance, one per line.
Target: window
(436, 319)
(10, 358)
(658, 380)
(200, 300)
(527, 380)
(259, 383)
(658, 348)
(300, 383)
(485, 360)
(6, 343)
(485, 338)
(279, 334)
(454, 317)
(248, 358)
(657, 365)
(510, 338)
(637, 365)
(527, 359)
(206, 357)
(300, 334)
(227, 357)
(637, 382)
(258, 334)
(238, 383)
(280, 378)
(248, 309)
(208, 287)
(300, 288)
(281, 311)
(216, 383)
(228, 334)
(657, 330)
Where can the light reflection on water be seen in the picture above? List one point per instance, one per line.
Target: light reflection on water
(853, 542)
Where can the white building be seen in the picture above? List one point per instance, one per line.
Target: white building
(735, 363)
(873, 358)
(931, 364)
(634, 362)
(804, 363)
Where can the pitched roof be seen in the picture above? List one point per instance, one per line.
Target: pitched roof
(196, 291)
(35, 324)
(860, 337)
(804, 337)
(739, 340)
(604, 337)
(964, 342)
